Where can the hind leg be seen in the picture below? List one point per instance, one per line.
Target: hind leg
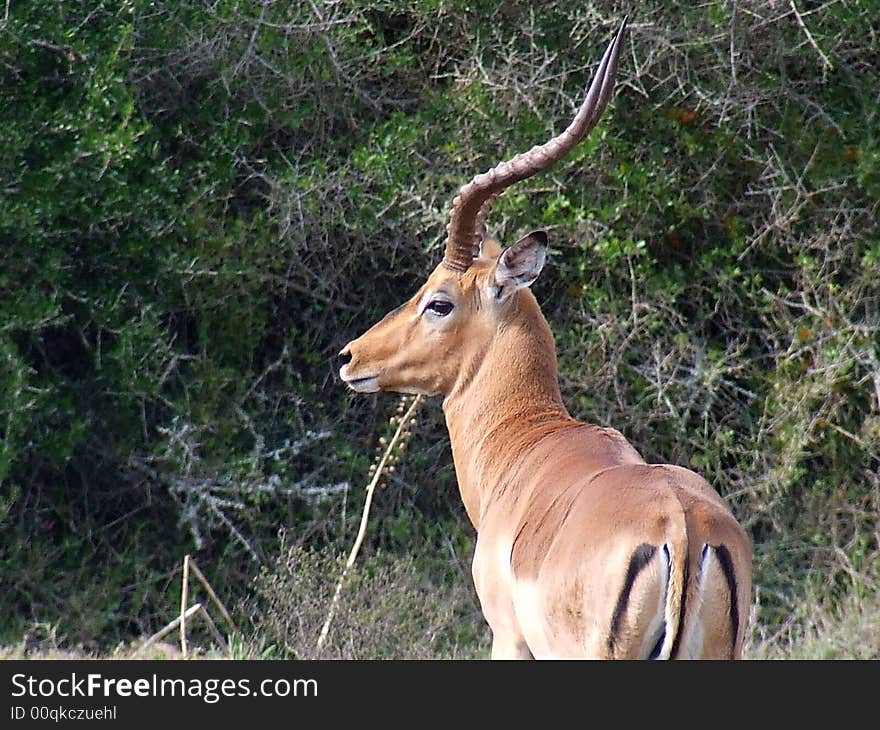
(714, 623)
(509, 646)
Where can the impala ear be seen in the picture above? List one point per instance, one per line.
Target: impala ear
(520, 265)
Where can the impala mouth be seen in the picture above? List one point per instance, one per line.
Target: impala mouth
(360, 385)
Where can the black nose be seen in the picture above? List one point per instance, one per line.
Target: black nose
(344, 357)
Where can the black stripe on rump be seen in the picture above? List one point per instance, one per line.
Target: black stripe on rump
(726, 562)
(641, 556)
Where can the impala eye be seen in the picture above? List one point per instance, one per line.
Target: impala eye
(440, 307)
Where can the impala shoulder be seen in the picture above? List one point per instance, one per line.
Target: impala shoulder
(594, 440)
(624, 450)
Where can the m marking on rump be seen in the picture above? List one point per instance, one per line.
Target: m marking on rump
(726, 562)
(641, 556)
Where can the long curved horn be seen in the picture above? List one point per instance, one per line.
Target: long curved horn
(471, 206)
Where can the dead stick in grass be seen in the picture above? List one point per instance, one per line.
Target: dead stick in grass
(221, 642)
(168, 629)
(371, 487)
(184, 589)
(217, 602)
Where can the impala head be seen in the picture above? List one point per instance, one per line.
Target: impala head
(425, 344)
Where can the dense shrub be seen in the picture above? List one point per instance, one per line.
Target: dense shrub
(388, 608)
(202, 201)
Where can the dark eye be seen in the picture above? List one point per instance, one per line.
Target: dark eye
(440, 307)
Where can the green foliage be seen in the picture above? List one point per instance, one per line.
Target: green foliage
(201, 202)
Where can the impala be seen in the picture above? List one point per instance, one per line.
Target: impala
(583, 549)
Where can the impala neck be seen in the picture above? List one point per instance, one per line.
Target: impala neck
(506, 397)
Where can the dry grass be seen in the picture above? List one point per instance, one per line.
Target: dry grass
(817, 631)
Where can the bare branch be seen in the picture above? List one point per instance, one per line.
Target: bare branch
(403, 424)
(69, 53)
(826, 64)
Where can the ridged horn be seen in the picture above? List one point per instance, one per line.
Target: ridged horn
(467, 217)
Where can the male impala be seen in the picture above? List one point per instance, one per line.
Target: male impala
(583, 549)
